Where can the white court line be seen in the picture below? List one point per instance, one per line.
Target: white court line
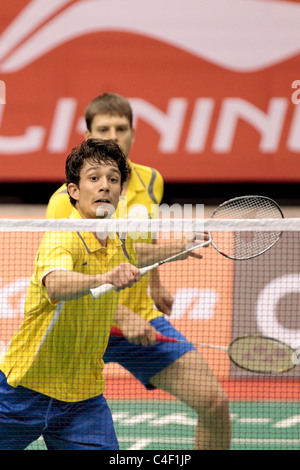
(287, 423)
(144, 442)
(137, 419)
(295, 442)
(254, 420)
(177, 418)
(140, 445)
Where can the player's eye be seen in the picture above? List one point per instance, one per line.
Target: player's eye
(114, 179)
(102, 130)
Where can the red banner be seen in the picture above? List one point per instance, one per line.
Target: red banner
(211, 85)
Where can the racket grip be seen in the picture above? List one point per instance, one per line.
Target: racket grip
(101, 290)
(117, 332)
(165, 339)
(106, 288)
(146, 269)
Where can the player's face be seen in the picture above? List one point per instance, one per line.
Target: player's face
(99, 190)
(116, 128)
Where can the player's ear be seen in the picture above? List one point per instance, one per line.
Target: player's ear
(87, 134)
(73, 191)
(133, 134)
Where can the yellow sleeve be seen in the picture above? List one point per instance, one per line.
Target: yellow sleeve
(158, 192)
(59, 206)
(159, 187)
(55, 253)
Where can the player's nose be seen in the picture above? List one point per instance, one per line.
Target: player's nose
(103, 184)
(113, 134)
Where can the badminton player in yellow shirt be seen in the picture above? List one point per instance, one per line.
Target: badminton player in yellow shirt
(177, 369)
(51, 379)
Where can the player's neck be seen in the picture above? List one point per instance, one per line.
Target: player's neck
(101, 241)
(124, 188)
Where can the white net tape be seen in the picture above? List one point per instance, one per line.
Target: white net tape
(149, 225)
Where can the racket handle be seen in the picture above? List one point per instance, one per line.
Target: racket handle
(146, 269)
(106, 288)
(101, 290)
(117, 332)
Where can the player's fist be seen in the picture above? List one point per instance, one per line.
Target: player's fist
(123, 276)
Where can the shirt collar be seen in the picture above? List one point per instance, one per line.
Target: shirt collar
(90, 241)
(136, 183)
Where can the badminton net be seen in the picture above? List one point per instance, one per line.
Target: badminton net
(215, 300)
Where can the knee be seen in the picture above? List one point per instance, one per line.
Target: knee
(215, 408)
(214, 430)
(219, 407)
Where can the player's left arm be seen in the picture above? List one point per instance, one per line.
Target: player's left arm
(148, 253)
(161, 296)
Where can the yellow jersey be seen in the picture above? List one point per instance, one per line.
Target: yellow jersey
(58, 349)
(142, 198)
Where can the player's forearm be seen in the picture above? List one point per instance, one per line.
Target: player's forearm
(154, 278)
(148, 253)
(70, 285)
(123, 314)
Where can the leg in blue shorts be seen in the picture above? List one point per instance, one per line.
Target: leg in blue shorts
(26, 415)
(180, 370)
(145, 362)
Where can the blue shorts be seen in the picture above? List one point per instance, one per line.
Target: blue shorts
(26, 415)
(145, 362)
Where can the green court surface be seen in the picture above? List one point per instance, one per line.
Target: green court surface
(164, 425)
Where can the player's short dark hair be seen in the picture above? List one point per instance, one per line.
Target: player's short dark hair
(108, 103)
(98, 151)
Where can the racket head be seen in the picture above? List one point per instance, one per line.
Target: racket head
(239, 245)
(261, 354)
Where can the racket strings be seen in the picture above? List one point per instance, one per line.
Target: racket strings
(262, 355)
(246, 244)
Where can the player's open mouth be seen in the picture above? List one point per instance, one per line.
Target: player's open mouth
(102, 201)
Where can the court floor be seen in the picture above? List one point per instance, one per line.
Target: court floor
(170, 425)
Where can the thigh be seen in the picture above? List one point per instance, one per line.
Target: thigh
(85, 425)
(22, 416)
(191, 380)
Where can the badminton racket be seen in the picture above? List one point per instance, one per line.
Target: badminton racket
(253, 353)
(235, 245)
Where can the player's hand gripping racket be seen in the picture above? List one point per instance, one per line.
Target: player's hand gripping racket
(236, 245)
(254, 353)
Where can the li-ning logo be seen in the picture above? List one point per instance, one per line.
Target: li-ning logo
(2, 92)
(296, 95)
(63, 20)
